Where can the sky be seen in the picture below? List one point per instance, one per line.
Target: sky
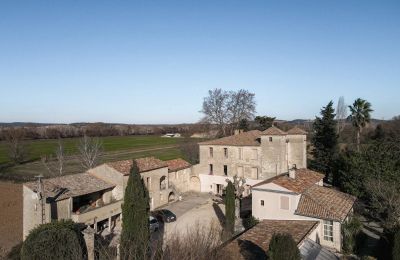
(153, 62)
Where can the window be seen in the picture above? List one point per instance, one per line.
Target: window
(211, 152)
(226, 170)
(262, 203)
(240, 153)
(163, 183)
(254, 154)
(226, 152)
(285, 202)
(148, 182)
(211, 169)
(270, 139)
(328, 230)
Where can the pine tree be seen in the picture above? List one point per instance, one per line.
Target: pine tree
(135, 236)
(325, 142)
(230, 208)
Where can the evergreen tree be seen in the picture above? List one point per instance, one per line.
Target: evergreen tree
(325, 142)
(244, 125)
(135, 236)
(264, 122)
(230, 208)
(283, 247)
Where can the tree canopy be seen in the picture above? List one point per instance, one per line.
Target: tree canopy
(283, 247)
(230, 208)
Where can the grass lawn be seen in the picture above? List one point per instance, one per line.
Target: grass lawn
(38, 148)
(115, 148)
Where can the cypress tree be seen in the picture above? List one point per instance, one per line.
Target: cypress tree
(135, 235)
(325, 142)
(230, 209)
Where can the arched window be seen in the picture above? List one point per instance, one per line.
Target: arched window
(163, 183)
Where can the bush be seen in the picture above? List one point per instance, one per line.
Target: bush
(15, 253)
(396, 246)
(351, 231)
(56, 240)
(249, 222)
(283, 247)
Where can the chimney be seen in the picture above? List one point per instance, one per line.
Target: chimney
(292, 172)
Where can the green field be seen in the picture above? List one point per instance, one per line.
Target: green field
(115, 148)
(38, 148)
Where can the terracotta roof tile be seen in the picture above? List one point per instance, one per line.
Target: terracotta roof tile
(68, 186)
(177, 164)
(296, 131)
(303, 180)
(253, 243)
(273, 130)
(250, 138)
(325, 203)
(144, 165)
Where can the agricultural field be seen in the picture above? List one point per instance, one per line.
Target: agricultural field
(114, 148)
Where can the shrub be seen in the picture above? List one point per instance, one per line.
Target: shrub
(283, 247)
(249, 222)
(396, 246)
(351, 231)
(15, 253)
(56, 240)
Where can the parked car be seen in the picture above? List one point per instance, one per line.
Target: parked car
(164, 215)
(154, 225)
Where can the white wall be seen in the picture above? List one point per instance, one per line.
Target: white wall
(209, 182)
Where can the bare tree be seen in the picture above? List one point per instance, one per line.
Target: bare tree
(16, 147)
(90, 150)
(341, 114)
(227, 108)
(55, 166)
(385, 200)
(241, 106)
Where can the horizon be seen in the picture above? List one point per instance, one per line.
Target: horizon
(153, 62)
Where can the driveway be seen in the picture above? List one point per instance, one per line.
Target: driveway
(195, 210)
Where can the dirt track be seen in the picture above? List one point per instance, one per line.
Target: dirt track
(10, 215)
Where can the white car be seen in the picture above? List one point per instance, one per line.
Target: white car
(153, 224)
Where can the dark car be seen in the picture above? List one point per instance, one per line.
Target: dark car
(164, 215)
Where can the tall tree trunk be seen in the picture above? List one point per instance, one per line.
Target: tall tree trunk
(358, 140)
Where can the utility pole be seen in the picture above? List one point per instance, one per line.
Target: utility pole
(40, 196)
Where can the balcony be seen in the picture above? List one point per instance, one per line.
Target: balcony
(98, 214)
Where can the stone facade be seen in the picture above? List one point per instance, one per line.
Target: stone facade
(254, 155)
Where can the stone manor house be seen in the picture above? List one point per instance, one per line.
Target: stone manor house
(273, 163)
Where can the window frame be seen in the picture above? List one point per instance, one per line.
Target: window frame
(328, 230)
(211, 152)
(226, 153)
(262, 203)
(225, 170)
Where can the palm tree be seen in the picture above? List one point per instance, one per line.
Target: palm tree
(360, 116)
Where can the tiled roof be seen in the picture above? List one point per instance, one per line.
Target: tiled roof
(253, 243)
(273, 130)
(144, 165)
(67, 186)
(303, 180)
(296, 131)
(177, 164)
(250, 138)
(325, 203)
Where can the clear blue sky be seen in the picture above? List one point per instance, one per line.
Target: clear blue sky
(154, 61)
